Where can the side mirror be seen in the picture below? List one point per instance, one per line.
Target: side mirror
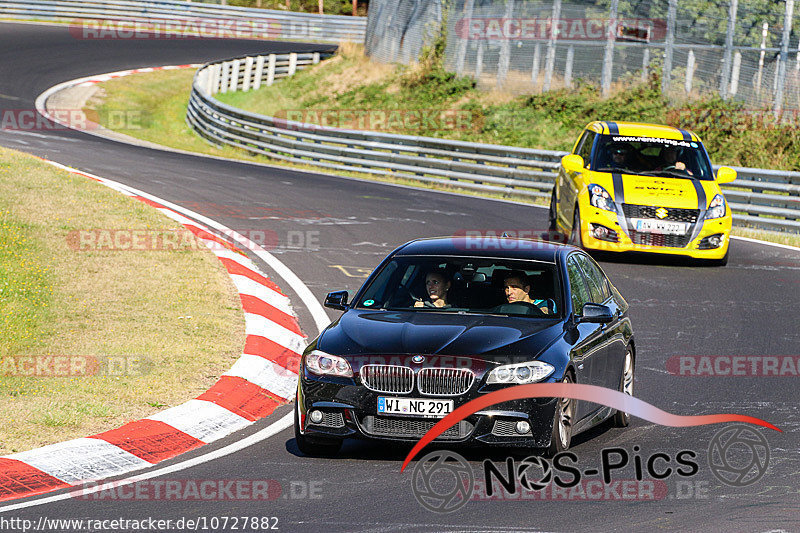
(337, 300)
(572, 163)
(725, 175)
(596, 314)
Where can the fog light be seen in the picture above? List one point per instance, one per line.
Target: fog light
(603, 233)
(523, 427)
(715, 241)
(315, 416)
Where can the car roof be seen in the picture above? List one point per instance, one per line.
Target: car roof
(639, 129)
(484, 246)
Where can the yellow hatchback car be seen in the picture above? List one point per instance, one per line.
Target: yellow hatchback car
(642, 187)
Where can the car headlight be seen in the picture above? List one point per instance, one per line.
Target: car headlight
(325, 364)
(600, 198)
(716, 209)
(520, 373)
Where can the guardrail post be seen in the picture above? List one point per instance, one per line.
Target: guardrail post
(479, 62)
(760, 75)
(608, 56)
(668, 46)
(461, 51)
(271, 69)
(505, 49)
(259, 72)
(737, 66)
(568, 67)
(783, 59)
(292, 64)
(689, 72)
(315, 58)
(223, 82)
(234, 75)
(248, 73)
(726, 57)
(551, 45)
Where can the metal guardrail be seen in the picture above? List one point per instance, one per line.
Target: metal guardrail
(117, 18)
(767, 199)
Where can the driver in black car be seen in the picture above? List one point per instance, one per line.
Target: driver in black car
(517, 288)
(436, 286)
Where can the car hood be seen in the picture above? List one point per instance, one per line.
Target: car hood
(679, 193)
(360, 332)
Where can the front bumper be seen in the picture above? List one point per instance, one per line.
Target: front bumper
(591, 215)
(350, 411)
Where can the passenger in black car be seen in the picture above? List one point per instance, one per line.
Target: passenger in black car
(436, 286)
(517, 288)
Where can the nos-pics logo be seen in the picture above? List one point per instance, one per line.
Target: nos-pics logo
(443, 481)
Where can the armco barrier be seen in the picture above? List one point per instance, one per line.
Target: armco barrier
(165, 16)
(766, 199)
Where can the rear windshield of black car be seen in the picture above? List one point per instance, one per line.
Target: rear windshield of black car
(465, 285)
(646, 156)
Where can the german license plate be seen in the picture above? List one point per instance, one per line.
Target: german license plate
(661, 226)
(423, 407)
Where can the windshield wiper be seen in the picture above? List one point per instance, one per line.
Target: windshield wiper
(668, 173)
(619, 170)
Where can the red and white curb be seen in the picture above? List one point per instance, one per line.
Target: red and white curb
(263, 378)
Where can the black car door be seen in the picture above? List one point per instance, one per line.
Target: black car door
(589, 338)
(612, 353)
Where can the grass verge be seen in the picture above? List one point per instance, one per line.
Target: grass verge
(350, 82)
(161, 325)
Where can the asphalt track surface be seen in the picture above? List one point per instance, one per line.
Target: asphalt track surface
(749, 308)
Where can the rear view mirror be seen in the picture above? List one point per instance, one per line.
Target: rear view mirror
(596, 314)
(572, 163)
(725, 175)
(337, 300)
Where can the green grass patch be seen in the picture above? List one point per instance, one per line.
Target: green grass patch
(133, 306)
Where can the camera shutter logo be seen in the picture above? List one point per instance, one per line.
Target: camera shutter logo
(738, 455)
(524, 469)
(443, 481)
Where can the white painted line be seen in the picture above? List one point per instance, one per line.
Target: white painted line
(266, 375)
(269, 431)
(767, 243)
(202, 420)
(79, 460)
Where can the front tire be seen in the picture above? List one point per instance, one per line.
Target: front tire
(552, 213)
(561, 436)
(314, 447)
(575, 235)
(621, 418)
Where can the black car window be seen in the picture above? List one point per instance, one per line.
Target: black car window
(470, 285)
(598, 284)
(585, 149)
(577, 284)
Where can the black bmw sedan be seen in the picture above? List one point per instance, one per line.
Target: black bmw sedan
(441, 322)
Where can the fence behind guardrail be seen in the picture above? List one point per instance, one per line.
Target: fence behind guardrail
(768, 199)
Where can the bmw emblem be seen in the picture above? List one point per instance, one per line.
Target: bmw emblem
(417, 359)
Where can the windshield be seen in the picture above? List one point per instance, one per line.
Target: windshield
(465, 285)
(647, 156)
